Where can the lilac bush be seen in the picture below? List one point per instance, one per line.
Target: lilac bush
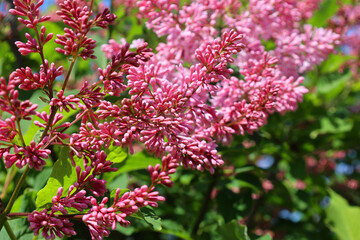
(211, 79)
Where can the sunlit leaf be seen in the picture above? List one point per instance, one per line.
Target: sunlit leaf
(137, 161)
(63, 175)
(342, 218)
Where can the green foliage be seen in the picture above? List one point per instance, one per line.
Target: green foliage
(334, 62)
(332, 125)
(233, 230)
(54, 27)
(149, 216)
(140, 160)
(24, 203)
(327, 9)
(325, 123)
(116, 154)
(342, 218)
(6, 60)
(265, 237)
(62, 175)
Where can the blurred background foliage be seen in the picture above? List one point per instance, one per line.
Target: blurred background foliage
(296, 178)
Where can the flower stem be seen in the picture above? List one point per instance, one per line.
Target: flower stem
(9, 177)
(3, 216)
(68, 74)
(53, 111)
(9, 231)
(20, 133)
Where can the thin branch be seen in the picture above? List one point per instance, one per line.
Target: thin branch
(3, 216)
(205, 206)
(10, 231)
(9, 178)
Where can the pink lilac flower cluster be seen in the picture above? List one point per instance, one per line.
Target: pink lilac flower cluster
(178, 113)
(159, 110)
(347, 23)
(101, 218)
(188, 27)
(269, 80)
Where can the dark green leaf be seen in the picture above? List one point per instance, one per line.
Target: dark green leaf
(332, 125)
(25, 203)
(151, 218)
(233, 231)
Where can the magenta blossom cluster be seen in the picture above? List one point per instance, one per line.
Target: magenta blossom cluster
(101, 218)
(347, 23)
(212, 78)
(269, 80)
(189, 26)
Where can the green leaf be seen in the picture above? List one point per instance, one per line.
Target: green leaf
(174, 228)
(127, 231)
(4, 235)
(115, 154)
(7, 59)
(131, 27)
(116, 181)
(332, 126)
(249, 180)
(37, 136)
(332, 89)
(137, 161)
(151, 218)
(327, 9)
(342, 218)
(269, 45)
(28, 236)
(49, 47)
(24, 203)
(148, 215)
(29, 130)
(101, 60)
(234, 205)
(41, 178)
(334, 62)
(63, 175)
(245, 169)
(233, 231)
(183, 235)
(265, 237)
